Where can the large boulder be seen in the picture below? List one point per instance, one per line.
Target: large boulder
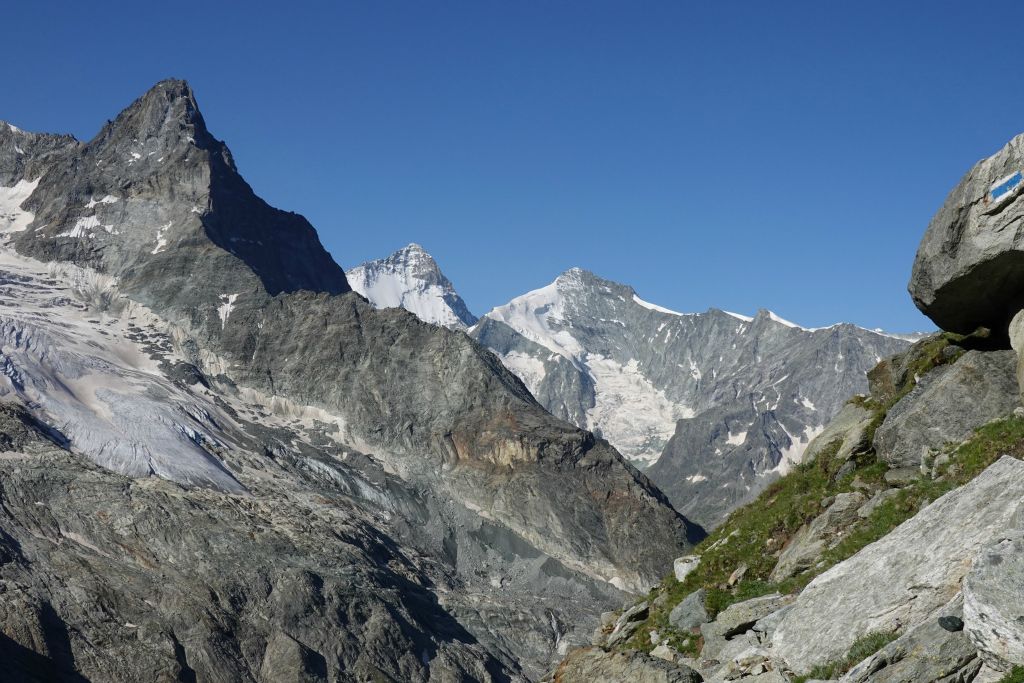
(969, 270)
(905, 577)
(994, 602)
(947, 405)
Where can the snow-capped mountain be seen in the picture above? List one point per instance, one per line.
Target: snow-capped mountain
(210, 446)
(715, 404)
(411, 279)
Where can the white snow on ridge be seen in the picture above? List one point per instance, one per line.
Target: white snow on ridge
(783, 321)
(531, 315)
(744, 318)
(654, 307)
(12, 217)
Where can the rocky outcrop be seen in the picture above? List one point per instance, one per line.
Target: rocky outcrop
(813, 539)
(691, 612)
(594, 665)
(992, 602)
(849, 427)
(904, 578)
(947, 405)
(969, 269)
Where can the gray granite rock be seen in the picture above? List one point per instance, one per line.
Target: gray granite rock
(691, 611)
(947, 405)
(813, 539)
(906, 577)
(926, 652)
(992, 601)
(849, 427)
(969, 265)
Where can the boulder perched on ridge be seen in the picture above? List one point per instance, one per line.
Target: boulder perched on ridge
(969, 269)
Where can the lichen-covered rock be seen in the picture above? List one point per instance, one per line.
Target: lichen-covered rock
(596, 666)
(947, 405)
(994, 603)
(905, 577)
(969, 269)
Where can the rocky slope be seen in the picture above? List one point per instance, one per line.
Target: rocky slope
(294, 484)
(716, 404)
(411, 279)
(893, 553)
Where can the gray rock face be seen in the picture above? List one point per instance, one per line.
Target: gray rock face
(849, 427)
(926, 652)
(904, 578)
(947, 405)
(596, 666)
(722, 403)
(691, 612)
(733, 631)
(411, 279)
(992, 602)
(969, 269)
(384, 498)
(812, 540)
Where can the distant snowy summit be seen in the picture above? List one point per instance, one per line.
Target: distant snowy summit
(411, 279)
(715, 405)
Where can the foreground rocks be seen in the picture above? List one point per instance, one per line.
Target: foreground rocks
(994, 603)
(904, 578)
(926, 652)
(947, 405)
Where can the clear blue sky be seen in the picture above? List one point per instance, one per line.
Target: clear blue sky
(737, 155)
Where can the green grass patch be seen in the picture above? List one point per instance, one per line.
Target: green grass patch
(1016, 675)
(863, 648)
(753, 534)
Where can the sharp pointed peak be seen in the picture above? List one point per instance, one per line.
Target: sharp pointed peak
(168, 109)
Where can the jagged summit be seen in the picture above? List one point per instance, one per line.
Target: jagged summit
(411, 279)
(717, 403)
(168, 110)
(155, 192)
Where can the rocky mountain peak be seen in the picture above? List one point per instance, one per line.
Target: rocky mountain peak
(168, 111)
(411, 279)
